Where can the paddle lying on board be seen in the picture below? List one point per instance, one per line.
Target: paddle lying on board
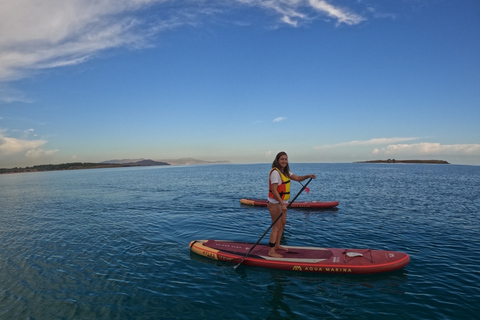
(263, 235)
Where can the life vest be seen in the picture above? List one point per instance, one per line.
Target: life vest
(283, 189)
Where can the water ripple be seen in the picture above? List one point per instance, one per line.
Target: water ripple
(113, 243)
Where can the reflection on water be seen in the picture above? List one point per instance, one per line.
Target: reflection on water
(113, 243)
(279, 307)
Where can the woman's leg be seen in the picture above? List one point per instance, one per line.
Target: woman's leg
(275, 211)
(281, 225)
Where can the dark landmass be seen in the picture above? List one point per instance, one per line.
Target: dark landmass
(405, 161)
(192, 161)
(82, 165)
(106, 164)
(123, 161)
(143, 163)
(57, 167)
(175, 162)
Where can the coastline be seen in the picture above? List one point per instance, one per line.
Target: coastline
(68, 166)
(105, 164)
(405, 161)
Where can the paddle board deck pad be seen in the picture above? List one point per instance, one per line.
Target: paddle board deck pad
(304, 259)
(296, 204)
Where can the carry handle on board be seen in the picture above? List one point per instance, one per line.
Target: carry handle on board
(263, 235)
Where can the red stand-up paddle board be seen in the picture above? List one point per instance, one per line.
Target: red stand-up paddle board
(296, 204)
(306, 259)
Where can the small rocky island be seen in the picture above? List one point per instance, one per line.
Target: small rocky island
(405, 161)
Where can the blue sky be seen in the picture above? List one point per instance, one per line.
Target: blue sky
(239, 80)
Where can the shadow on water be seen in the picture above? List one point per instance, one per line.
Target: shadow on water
(294, 210)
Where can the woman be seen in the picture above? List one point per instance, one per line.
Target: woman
(278, 195)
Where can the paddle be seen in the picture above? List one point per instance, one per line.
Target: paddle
(307, 190)
(263, 235)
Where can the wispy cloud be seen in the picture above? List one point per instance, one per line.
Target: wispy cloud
(279, 119)
(294, 12)
(37, 35)
(51, 33)
(9, 95)
(342, 15)
(371, 142)
(394, 147)
(432, 149)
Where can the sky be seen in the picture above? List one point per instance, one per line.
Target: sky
(239, 80)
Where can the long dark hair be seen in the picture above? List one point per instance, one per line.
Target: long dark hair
(276, 164)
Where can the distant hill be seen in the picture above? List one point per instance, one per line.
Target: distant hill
(62, 166)
(84, 165)
(191, 161)
(149, 162)
(108, 164)
(142, 162)
(122, 161)
(405, 161)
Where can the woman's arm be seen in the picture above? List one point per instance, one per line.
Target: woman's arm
(301, 178)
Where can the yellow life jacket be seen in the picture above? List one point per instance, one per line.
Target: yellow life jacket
(283, 189)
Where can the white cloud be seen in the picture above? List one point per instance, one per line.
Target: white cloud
(39, 153)
(37, 35)
(393, 146)
(432, 149)
(53, 33)
(397, 148)
(289, 21)
(279, 119)
(294, 11)
(29, 148)
(376, 141)
(341, 15)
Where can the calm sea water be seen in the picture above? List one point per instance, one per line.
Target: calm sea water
(113, 243)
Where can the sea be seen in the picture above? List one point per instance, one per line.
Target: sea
(114, 243)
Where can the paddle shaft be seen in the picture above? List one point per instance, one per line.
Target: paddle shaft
(304, 186)
(279, 216)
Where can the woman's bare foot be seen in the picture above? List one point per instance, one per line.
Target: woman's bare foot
(272, 253)
(281, 248)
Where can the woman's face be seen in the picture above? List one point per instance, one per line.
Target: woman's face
(283, 161)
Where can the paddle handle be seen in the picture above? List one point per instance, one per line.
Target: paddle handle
(281, 214)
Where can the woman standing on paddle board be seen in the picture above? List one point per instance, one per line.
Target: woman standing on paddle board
(278, 195)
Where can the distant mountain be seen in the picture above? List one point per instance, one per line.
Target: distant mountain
(191, 161)
(137, 162)
(123, 161)
(149, 162)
